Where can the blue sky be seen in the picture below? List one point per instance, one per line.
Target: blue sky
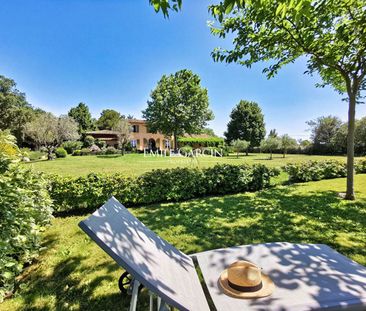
(111, 53)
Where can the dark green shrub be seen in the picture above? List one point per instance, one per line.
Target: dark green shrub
(111, 150)
(88, 141)
(60, 153)
(201, 141)
(157, 186)
(71, 146)
(315, 170)
(25, 209)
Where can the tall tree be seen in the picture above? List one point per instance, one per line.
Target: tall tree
(287, 143)
(246, 123)
(273, 133)
(323, 129)
(108, 119)
(82, 116)
(14, 108)
(330, 33)
(123, 129)
(178, 105)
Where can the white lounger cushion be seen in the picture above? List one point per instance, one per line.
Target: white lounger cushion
(155, 263)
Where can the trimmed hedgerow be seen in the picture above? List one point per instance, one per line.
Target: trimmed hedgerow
(25, 209)
(162, 185)
(315, 170)
(201, 141)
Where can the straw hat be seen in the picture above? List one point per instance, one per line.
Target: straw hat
(243, 279)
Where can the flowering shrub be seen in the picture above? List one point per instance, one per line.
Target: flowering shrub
(25, 209)
(315, 170)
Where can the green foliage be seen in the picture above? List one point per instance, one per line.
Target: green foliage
(108, 119)
(360, 166)
(25, 208)
(82, 116)
(246, 123)
(315, 170)
(89, 141)
(178, 105)
(8, 149)
(287, 143)
(14, 108)
(203, 142)
(71, 146)
(166, 5)
(111, 150)
(49, 131)
(240, 145)
(60, 152)
(270, 144)
(158, 185)
(186, 149)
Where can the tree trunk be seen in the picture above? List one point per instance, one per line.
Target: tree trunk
(350, 195)
(284, 154)
(270, 156)
(247, 152)
(237, 154)
(175, 142)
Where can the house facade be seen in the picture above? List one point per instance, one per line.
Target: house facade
(140, 139)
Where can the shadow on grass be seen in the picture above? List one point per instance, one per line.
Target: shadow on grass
(277, 214)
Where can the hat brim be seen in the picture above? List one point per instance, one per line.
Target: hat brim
(266, 290)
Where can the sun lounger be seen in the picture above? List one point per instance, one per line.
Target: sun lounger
(306, 276)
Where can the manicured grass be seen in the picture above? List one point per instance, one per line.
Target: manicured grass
(72, 273)
(136, 164)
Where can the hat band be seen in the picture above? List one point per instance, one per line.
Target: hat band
(247, 289)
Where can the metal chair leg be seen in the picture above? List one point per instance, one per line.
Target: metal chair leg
(134, 297)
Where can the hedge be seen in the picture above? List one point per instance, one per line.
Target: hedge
(25, 209)
(317, 170)
(204, 142)
(162, 185)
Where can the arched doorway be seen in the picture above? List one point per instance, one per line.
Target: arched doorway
(152, 144)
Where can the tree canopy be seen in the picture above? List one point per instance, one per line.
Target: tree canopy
(108, 119)
(270, 144)
(240, 146)
(246, 123)
(123, 129)
(331, 34)
(178, 105)
(49, 131)
(82, 116)
(14, 108)
(286, 143)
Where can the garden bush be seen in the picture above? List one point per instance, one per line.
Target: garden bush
(360, 166)
(60, 152)
(71, 146)
(111, 150)
(25, 209)
(315, 170)
(162, 185)
(88, 141)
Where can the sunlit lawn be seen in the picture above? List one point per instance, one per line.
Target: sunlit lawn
(72, 273)
(136, 164)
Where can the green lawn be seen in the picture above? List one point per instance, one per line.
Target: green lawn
(136, 164)
(72, 273)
